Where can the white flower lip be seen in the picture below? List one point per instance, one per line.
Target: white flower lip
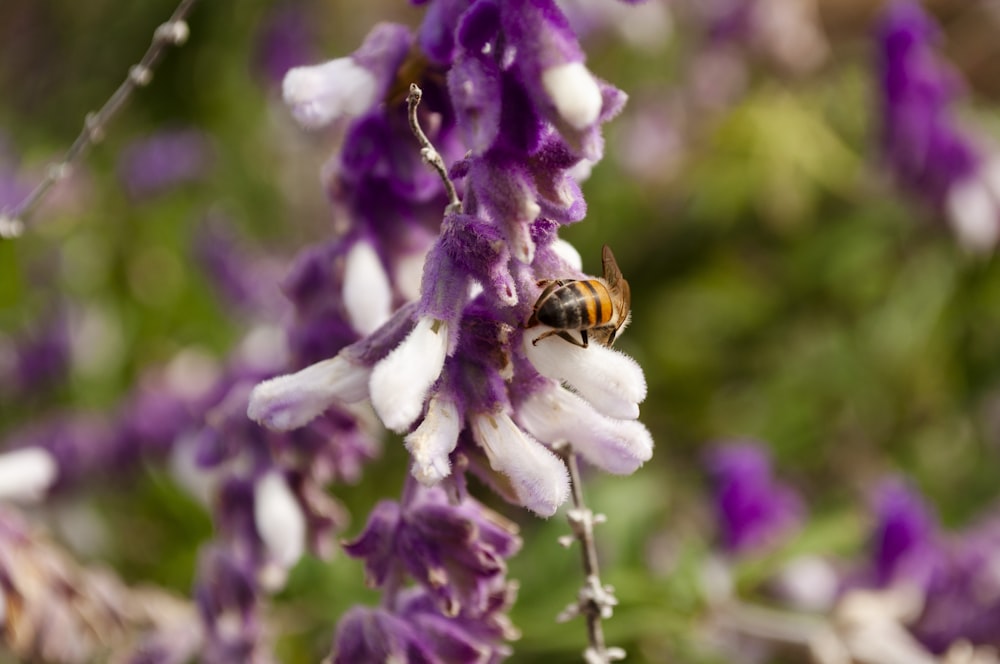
(279, 519)
(538, 476)
(399, 383)
(557, 415)
(319, 94)
(973, 207)
(575, 93)
(434, 440)
(568, 253)
(26, 474)
(367, 292)
(611, 381)
(291, 401)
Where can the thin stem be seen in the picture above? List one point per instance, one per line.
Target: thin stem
(172, 33)
(427, 152)
(595, 600)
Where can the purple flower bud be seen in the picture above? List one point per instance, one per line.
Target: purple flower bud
(754, 511)
(456, 552)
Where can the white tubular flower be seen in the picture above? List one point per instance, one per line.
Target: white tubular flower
(521, 244)
(435, 439)
(279, 519)
(974, 215)
(26, 474)
(290, 401)
(319, 94)
(568, 253)
(612, 382)
(367, 292)
(399, 383)
(409, 271)
(538, 476)
(809, 583)
(556, 414)
(575, 93)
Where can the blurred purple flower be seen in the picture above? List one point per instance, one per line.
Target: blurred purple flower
(244, 279)
(955, 573)
(285, 39)
(929, 153)
(906, 544)
(37, 360)
(157, 163)
(754, 511)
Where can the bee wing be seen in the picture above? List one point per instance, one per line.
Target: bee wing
(616, 282)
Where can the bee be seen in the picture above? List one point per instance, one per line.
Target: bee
(600, 307)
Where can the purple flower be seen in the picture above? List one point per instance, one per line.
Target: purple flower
(37, 359)
(456, 552)
(930, 155)
(956, 574)
(285, 40)
(242, 278)
(155, 164)
(906, 544)
(754, 510)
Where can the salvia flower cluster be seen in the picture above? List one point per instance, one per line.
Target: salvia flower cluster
(509, 102)
(454, 369)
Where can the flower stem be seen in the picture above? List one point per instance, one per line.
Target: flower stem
(427, 151)
(172, 33)
(595, 600)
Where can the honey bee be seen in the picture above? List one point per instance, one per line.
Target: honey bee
(600, 307)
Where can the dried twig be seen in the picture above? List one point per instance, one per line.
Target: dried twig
(172, 33)
(431, 156)
(595, 600)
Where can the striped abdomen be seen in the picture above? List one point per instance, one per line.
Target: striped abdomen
(578, 305)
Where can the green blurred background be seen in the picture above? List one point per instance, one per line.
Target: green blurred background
(782, 291)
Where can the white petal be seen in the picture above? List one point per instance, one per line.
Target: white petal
(199, 482)
(319, 94)
(581, 170)
(279, 519)
(575, 93)
(809, 583)
(409, 272)
(974, 214)
(435, 439)
(367, 292)
(568, 253)
(557, 415)
(519, 231)
(290, 401)
(538, 476)
(399, 383)
(26, 474)
(611, 381)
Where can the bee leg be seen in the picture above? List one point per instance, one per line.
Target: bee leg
(583, 336)
(544, 335)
